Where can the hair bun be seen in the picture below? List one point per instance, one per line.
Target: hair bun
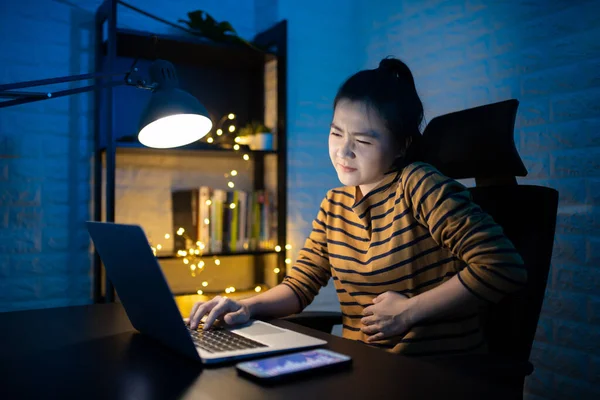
(398, 68)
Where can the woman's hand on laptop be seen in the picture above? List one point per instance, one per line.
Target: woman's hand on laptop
(230, 311)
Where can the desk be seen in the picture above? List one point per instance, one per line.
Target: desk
(89, 352)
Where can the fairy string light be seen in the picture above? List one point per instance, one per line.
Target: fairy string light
(193, 256)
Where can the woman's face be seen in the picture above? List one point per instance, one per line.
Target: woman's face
(360, 146)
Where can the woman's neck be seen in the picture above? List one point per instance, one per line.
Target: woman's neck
(364, 189)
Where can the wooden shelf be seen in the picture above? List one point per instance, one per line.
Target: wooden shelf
(196, 146)
(188, 49)
(238, 253)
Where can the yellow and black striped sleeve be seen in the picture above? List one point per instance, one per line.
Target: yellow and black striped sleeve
(312, 270)
(493, 266)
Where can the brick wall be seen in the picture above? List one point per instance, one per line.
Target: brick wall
(547, 55)
(322, 53)
(45, 147)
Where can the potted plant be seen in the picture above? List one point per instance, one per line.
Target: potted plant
(202, 24)
(257, 136)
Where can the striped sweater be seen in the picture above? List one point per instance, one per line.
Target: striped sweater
(411, 233)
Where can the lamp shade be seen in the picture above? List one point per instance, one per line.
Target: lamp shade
(173, 117)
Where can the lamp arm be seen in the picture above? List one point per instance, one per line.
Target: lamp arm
(130, 78)
(63, 79)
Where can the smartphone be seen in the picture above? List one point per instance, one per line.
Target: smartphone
(284, 367)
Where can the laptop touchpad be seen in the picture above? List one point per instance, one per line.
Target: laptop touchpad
(259, 329)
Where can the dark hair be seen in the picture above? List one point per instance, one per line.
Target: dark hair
(390, 91)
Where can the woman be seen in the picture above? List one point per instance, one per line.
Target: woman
(413, 259)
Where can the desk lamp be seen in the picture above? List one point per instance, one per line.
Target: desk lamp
(172, 117)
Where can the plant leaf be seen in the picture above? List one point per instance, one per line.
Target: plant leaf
(201, 21)
(226, 27)
(196, 19)
(203, 24)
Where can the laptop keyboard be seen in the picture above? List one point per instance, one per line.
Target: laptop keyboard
(217, 339)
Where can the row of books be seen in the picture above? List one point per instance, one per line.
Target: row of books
(224, 220)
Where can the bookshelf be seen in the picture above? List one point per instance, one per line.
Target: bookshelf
(225, 78)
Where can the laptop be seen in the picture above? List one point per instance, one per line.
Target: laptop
(150, 305)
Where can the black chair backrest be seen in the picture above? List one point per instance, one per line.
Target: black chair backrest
(527, 214)
(478, 143)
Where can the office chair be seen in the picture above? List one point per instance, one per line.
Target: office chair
(478, 143)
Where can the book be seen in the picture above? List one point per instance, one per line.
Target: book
(185, 215)
(224, 221)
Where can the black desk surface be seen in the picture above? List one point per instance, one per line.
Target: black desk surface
(92, 351)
